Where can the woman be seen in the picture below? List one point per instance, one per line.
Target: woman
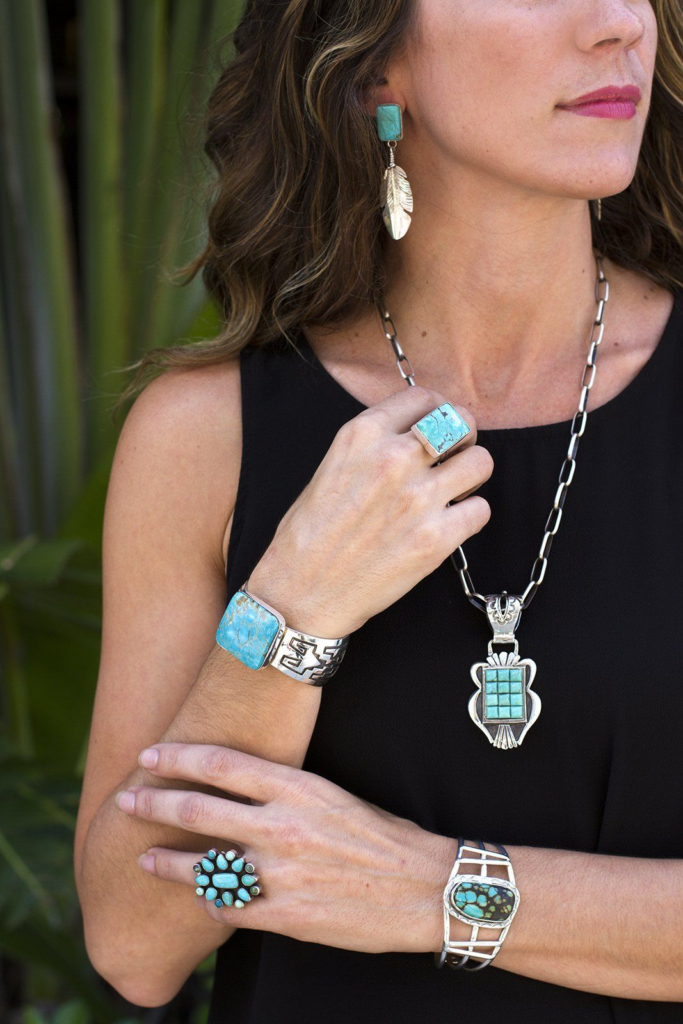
(350, 798)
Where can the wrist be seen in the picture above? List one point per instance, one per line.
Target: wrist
(437, 854)
(300, 611)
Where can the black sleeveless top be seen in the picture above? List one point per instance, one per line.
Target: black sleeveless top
(599, 772)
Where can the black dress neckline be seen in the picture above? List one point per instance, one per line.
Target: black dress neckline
(602, 413)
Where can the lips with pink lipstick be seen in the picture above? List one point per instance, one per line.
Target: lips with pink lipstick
(614, 101)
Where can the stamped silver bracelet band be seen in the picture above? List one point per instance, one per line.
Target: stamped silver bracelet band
(256, 633)
(481, 901)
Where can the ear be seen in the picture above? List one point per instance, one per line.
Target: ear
(382, 92)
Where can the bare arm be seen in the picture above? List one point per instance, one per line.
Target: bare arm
(171, 493)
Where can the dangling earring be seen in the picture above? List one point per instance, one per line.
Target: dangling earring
(599, 208)
(396, 195)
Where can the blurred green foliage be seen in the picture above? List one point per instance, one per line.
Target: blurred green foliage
(84, 289)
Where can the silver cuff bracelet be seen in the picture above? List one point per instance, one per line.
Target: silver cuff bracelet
(481, 901)
(257, 634)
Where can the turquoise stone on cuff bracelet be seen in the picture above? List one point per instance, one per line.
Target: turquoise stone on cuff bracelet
(440, 429)
(247, 630)
(491, 903)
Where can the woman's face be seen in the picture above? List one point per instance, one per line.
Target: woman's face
(482, 81)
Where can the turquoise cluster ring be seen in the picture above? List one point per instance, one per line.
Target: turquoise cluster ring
(224, 879)
(440, 430)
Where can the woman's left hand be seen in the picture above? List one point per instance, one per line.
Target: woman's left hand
(334, 869)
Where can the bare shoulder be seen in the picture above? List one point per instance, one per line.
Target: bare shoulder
(645, 311)
(183, 437)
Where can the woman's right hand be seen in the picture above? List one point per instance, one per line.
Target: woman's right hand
(373, 520)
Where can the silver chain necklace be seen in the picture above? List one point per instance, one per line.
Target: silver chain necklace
(504, 706)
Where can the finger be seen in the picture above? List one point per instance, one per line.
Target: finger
(193, 812)
(170, 865)
(221, 767)
(463, 473)
(176, 866)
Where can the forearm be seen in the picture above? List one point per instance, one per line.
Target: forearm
(594, 922)
(127, 911)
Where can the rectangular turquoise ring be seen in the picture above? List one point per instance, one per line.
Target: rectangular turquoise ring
(249, 629)
(440, 430)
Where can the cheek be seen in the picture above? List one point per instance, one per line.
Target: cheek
(478, 74)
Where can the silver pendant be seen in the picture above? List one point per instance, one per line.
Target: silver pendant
(504, 706)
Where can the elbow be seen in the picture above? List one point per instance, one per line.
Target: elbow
(129, 974)
(140, 992)
(139, 989)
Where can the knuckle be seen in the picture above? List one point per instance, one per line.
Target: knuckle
(428, 395)
(388, 461)
(269, 827)
(476, 513)
(168, 757)
(301, 784)
(358, 428)
(162, 864)
(216, 763)
(191, 809)
(483, 461)
(291, 834)
(425, 537)
(145, 802)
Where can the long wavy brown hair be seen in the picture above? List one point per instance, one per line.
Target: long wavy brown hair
(294, 232)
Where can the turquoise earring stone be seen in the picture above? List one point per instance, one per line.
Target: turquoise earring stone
(247, 630)
(389, 122)
(440, 429)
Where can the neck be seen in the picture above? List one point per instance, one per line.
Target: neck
(508, 282)
(492, 292)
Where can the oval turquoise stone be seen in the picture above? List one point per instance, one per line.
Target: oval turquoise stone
(211, 894)
(227, 899)
(243, 895)
(238, 864)
(221, 862)
(225, 880)
(207, 864)
(219, 903)
(202, 879)
(248, 879)
(484, 902)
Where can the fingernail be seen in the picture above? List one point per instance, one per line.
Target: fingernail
(125, 801)
(147, 862)
(149, 757)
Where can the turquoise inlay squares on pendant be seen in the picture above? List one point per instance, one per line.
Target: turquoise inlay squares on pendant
(440, 429)
(504, 695)
(389, 122)
(487, 902)
(247, 630)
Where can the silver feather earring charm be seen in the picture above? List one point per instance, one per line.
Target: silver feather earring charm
(396, 195)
